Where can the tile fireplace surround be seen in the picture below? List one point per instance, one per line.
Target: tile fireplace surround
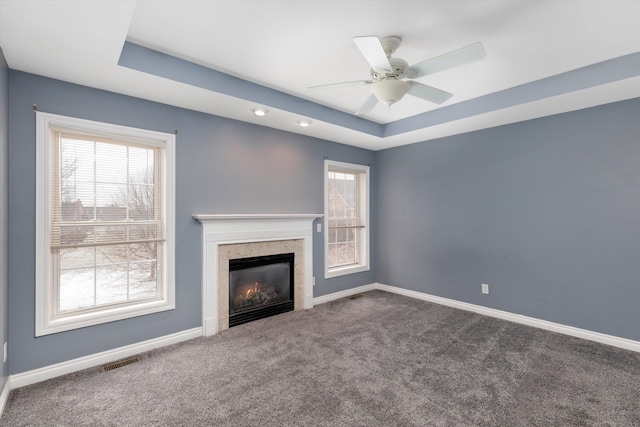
(232, 236)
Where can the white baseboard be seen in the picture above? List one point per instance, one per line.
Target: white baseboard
(5, 395)
(611, 340)
(343, 294)
(52, 371)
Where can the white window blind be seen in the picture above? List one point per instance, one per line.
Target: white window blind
(104, 192)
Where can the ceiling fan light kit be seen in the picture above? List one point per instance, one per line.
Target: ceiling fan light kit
(387, 74)
(390, 91)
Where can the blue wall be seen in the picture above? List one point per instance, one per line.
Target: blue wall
(546, 212)
(223, 166)
(4, 211)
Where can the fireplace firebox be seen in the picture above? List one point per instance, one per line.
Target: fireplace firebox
(260, 287)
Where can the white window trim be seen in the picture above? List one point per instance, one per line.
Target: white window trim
(44, 302)
(363, 202)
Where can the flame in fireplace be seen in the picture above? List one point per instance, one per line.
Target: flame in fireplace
(255, 294)
(252, 291)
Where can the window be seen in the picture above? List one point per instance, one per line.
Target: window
(346, 218)
(104, 224)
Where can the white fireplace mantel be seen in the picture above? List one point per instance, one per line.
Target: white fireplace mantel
(247, 228)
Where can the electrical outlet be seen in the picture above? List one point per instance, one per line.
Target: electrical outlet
(313, 281)
(319, 228)
(4, 350)
(485, 288)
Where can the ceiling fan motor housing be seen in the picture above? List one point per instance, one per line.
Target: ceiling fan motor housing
(399, 70)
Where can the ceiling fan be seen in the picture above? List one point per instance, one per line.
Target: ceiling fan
(387, 82)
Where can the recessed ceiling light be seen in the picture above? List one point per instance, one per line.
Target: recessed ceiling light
(304, 123)
(259, 111)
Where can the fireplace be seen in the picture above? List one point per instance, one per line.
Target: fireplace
(233, 236)
(260, 287)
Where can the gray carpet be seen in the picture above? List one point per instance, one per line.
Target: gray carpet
(378, 360)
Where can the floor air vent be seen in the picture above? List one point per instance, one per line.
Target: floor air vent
(120, 364)
(356, 296)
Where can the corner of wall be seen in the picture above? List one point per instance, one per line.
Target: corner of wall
(4, 221)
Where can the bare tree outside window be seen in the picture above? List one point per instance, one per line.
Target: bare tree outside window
(140, 201)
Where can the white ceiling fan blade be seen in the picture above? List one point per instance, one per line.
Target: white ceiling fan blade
(372, 50)
(351, 83)
(429, 93)
(455, 58)
(368, 105)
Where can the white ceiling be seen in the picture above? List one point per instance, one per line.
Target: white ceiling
(291, 45)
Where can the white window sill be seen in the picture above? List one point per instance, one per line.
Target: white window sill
(343, 271)
(91, 318)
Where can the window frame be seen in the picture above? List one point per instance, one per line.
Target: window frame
(46, 292)
(362, 172)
